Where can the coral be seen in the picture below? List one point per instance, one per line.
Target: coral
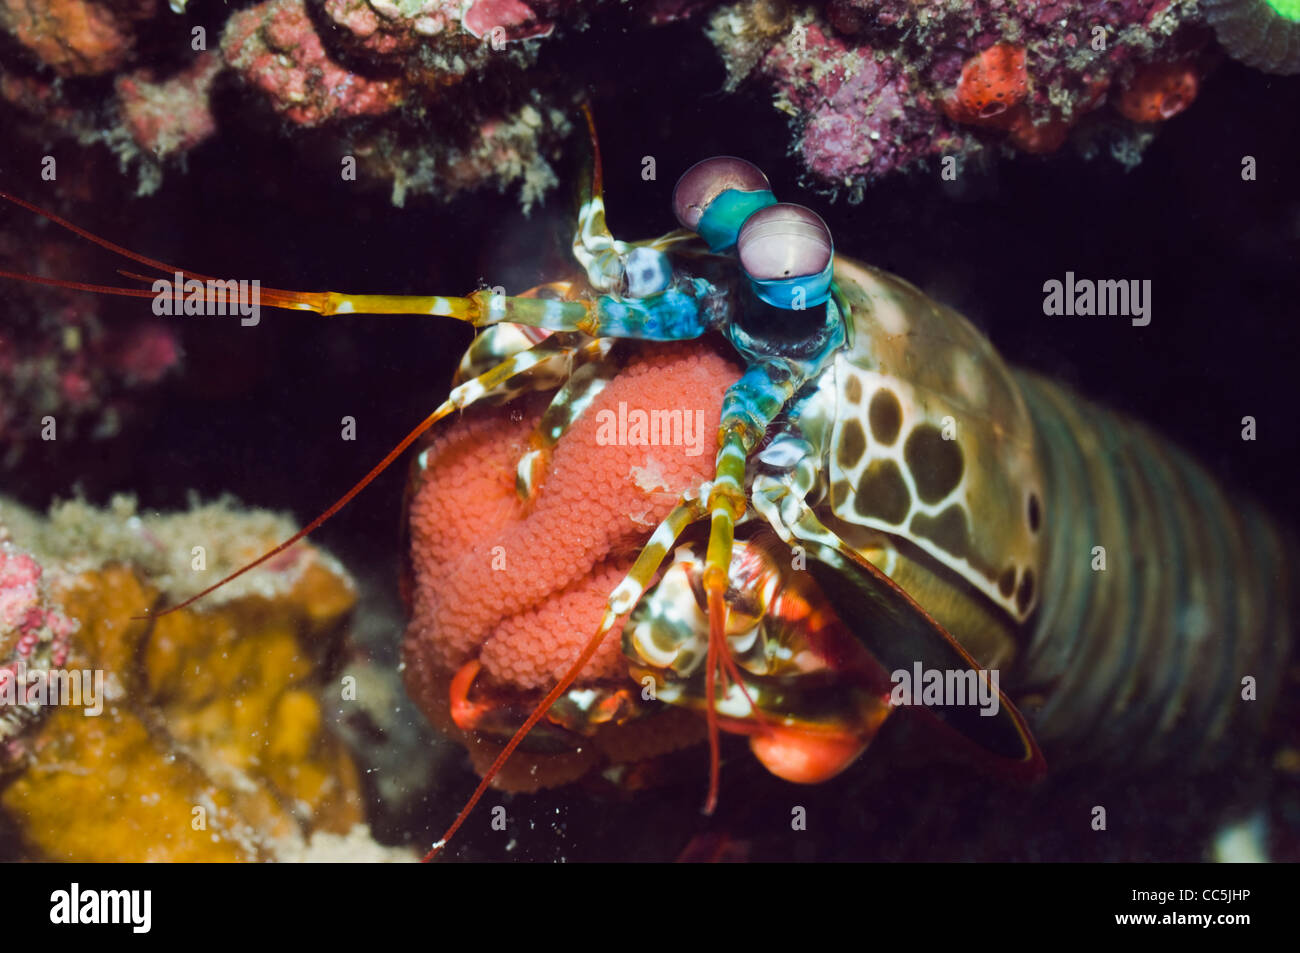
(860, 113)
(316, 64)
(1158, 91)
(745, 32)
(275, 49)
(76, 37)
(34, 633)
(65, 371)
(500, 151)
(1264, 34)
(874, 86)
(209, 743)
(365, 31)
(172, 116)
(423, 49)
(434, 44)
(517, 19)
(143, 119)
(521, 586)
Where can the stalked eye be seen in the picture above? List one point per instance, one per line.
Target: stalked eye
(646, 271)
(706, 180)
(714, 197)
(787, 253)
(784, 241)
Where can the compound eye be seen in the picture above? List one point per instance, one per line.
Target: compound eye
(705, 181)
(646, 271)
(715, 196)
(787, 253)
(784, 241)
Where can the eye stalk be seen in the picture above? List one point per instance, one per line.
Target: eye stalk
(787, 253)
(714, 198)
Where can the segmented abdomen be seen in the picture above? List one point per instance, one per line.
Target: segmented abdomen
(1142, 662)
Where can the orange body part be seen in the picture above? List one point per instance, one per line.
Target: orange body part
(466, 714)
(506, 592)
(804, 757)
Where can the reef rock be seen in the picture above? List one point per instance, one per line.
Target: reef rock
(875, 86)
(198, 735)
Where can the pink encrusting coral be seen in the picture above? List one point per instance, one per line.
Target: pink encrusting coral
(171, 116)
(25, 621)
(873, 86)
(521, 586)
(364, 30)
(315, 64)
(34, 638)
(516, 19)
(862, 114)
(275, 48)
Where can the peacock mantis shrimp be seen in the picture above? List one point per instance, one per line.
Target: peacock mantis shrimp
(929, 507)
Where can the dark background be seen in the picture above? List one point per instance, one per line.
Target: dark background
(256, 411)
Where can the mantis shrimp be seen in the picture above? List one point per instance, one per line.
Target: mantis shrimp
(921, 505)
